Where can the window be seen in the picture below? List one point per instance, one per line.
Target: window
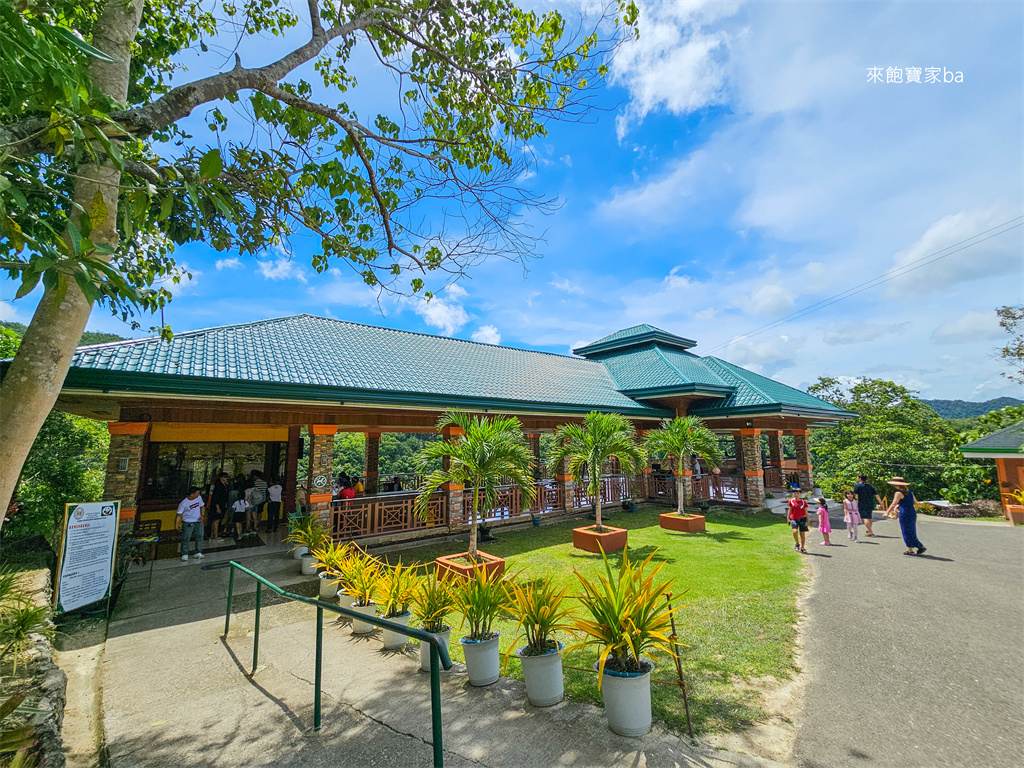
(171, 468)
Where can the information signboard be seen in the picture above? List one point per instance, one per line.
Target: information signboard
(86, 569)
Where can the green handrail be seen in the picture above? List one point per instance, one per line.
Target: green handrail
(438, 648)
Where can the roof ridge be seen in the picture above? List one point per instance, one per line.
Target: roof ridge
(753, 386)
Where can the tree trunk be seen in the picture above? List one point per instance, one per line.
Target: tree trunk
(597, 506)
(680, 494)
(472, 523)
(35, 377)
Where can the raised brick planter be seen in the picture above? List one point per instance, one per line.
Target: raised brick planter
(609, 540)
(447, 565)
(682, 523)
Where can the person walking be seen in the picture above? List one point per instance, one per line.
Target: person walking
(824, 524)
(867, 496)
(903, 500)
(851, 516)
(190, 520)
(220, 503)
(274, 506)
(798, 521)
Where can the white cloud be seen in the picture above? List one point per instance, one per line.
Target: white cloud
(676, 63)
(444, 310)
(11, 314)
(567, 286)
(567, 159)
(765, 354)
(770, 299)
(860, 333)
(189, 280)
(232, 263)
(486, 334)
(970, 327)
(282, 268)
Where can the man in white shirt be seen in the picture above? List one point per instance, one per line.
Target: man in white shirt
(274, 506)
(190, 520)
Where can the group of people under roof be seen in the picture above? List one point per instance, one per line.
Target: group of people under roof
(346, 486)
(858, 506)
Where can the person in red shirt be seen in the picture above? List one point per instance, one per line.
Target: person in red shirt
(798, 520)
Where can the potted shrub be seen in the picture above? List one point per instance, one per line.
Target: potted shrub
(540, 611)
(394, 591)
(601, 437)
(307, 534)
(359, 574)
(330, 556)
(432, 602)
(1015, 512)
(628, 619)
(682, 437)
(480, 598)
(490, 451)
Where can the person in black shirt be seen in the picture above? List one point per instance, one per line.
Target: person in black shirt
(220, 503)
(867, 497)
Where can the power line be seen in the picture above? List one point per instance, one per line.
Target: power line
(923, 261)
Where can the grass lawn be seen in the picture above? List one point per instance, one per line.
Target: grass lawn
(739, 578)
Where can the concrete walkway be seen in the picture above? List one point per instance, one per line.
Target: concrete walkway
(916, 661)
(176, 694)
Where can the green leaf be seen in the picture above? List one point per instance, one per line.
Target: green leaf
(211, 165)
(29, 280)
(83, 46)
(98, 210)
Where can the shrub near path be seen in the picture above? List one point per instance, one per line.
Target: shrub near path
(739, 582)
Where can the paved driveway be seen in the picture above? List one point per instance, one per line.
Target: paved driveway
(916, 661)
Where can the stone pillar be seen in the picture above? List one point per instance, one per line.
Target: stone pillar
(737, 446)
(371, 462)
(291, 471)
(566, 487)
(533, 441)
(321, 469)
(125, 459)
(458, 512)
(802, 438)
(774, 447)
(753, 475)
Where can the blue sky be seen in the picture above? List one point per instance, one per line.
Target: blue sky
(742, 169)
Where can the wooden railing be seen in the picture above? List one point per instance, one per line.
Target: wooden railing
(773, 477)
(614, 488)
(393, 513)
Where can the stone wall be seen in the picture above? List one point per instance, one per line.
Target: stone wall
(127, 448)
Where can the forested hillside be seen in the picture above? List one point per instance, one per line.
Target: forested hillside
(967, 409)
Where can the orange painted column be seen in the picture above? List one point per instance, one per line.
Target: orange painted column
(753, 475)
(320, 471)
(802, 438)
(455, 497)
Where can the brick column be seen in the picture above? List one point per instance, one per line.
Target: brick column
(371, 462)
(566, 486)
(753, 475)
(774, 447)
(321, 469)
(124, 464)
(803, 458)
(455, 498)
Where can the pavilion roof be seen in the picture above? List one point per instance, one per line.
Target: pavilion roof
(1008, 440)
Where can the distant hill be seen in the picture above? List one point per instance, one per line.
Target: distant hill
(966, 409)
(89, 337)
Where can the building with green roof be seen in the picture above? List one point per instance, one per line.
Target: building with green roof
(262, 395)
(1006, 448)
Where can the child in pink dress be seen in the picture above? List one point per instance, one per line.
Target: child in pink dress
(824, 526)
(851, 516)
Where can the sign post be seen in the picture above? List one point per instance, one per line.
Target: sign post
(86, 567)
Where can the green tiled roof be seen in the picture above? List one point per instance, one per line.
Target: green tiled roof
(651, 368)
(754, 393)
(1007, 440)
(322, 355)
(635, 336)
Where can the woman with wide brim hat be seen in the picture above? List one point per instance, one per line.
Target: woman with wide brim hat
(903, 500)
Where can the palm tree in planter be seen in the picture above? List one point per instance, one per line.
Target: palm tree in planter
(490, 451)
(629, 619)
(582, 449)
(681, 437)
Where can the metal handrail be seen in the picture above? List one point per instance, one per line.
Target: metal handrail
(438, 648)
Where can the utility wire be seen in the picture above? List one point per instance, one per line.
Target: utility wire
(924, 261)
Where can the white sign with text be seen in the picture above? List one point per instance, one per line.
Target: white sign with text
(87, 554)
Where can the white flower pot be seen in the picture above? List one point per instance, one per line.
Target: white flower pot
(483, 660)
(446, 638)
(328, 586)
(627, 701)
(394, 641)
(309, 565)
(298, 552)
(543, 675)
(362, 627)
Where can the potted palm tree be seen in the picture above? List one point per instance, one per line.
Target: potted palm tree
(432, 602)
(330, 556)
(359, 574)
(1015, 512)
(629, 619)
(587, 446)
(490, 451)
(480, 598)
(307, 534)
(539, 610)
(394, 591)
(680, 437)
